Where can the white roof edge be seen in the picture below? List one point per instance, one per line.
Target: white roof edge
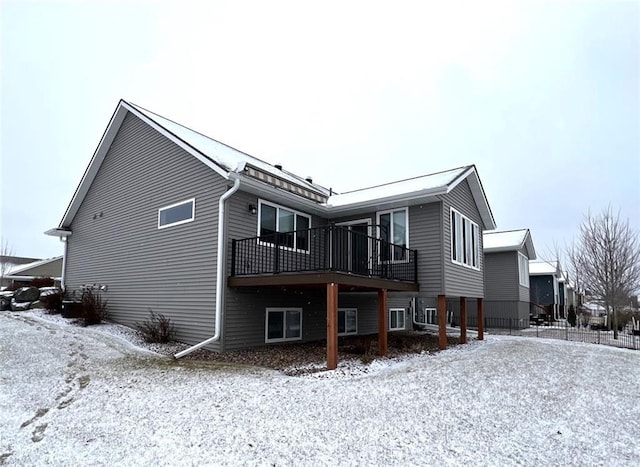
(479, 195)
(124, 107)
(35, 264)
(103, 147)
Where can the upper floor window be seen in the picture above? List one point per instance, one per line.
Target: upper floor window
(465, 240)
(394, 228)
(178, 213)
(283, 226)
(523, 269)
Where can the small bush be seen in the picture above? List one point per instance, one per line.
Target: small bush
(42, 282)
(157, 329)
(52, 302)
(94, 308)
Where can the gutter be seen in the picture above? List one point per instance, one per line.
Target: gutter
(219, 271)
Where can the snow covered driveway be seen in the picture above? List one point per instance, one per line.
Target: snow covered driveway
(78, 396)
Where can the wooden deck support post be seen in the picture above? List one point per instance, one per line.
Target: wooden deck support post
(382, 322)
(332, 326)
(463, 320)
(442, 322)
(480, 320)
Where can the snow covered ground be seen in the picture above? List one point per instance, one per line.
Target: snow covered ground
(86, 396)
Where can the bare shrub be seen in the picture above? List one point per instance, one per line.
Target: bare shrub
(52, 302)
(94, 308)
(157, 329)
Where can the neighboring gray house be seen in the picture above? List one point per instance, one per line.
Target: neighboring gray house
(544, 285)
(238, 252)
(506, 276)
(25, 273)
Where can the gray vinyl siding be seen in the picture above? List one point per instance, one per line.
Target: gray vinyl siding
(425, 236)
(116, 242)
(245, 309)
(461, 281)
(501, 278)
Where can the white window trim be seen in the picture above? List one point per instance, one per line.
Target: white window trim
(283, 310)
(473, 241)
(428, 312)
(278, 207)
(184, 221)
(345, 321)
(404, 324)
(522, 259)
(406, 233)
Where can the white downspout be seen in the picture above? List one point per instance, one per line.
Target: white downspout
(219, 271)
(63, 276)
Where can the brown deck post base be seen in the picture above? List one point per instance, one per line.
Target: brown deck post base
(332, 326)
(463, 320)
(442, 322)
(382, 322)
(480, 320)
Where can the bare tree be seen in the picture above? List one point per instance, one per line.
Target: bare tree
(605, 260)
(5, 259)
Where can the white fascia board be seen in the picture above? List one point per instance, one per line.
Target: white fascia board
(103, 147)
(478, 194)
(280, 196)
(191, 150)
(95, 163)
(57, 232)
(389, 202)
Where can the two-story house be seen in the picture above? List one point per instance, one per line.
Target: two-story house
(238, 252)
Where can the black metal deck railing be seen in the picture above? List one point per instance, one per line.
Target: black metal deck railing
(330, 248)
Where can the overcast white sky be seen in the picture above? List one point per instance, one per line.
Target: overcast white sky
(543, 97)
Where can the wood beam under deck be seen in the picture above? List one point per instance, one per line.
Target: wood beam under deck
(332, 326)
(442, 322)
(480, 320)
(463, 320)
(382, 322)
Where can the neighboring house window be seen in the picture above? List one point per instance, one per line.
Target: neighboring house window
(347, 321)
(396, 319)
(283, 324)
(394, 228)
(283, 226)
(523, 269)
(426, 316)
(465, 240)
(178, 213)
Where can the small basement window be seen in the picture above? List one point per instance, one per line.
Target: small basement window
(178, 213)
(283, 324)
(396, 319)
(347, 321)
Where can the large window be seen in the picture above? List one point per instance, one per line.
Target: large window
(396, 319)
(283, 324)
(523, 269)
(286, 227)
(465, 240)
(347, 321)
(178, 213)
(394, 228)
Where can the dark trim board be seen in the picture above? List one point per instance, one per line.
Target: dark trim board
(347, 282)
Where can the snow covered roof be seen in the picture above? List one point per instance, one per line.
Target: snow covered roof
(544, 268)
(22, 268)
(508, 240)
(259, 176)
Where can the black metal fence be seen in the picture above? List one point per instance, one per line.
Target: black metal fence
(627, 337)
(323, 249)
